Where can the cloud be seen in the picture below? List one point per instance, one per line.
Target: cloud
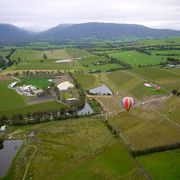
(42, 14)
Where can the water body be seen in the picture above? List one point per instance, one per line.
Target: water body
(86, 110)
(101, 90)
(7, 154)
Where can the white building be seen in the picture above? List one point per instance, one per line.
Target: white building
(65, 85)
(3, 128)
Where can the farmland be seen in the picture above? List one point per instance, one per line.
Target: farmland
(145, 128)
(164, 165)
(167, 78)
(98, 146)
(13, 102)
(9, 97)
(40, 82)
(88, 81)
(136, 58)
(71, 142)
(41, 107)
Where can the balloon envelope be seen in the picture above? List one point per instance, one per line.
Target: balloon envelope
(127, 103)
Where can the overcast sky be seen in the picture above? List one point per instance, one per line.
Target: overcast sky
(39, 15)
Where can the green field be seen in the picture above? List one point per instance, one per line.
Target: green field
(40, 82)
(77, 53)
(144, 128)
(63, 145)
(171, 109)
(169, 79)
(12, 102)
(96, 147)
(87, 81)
(112, 163)
(34, 59)
(4, 52)
(136, 58)
(163, 165)
(10, 98)
(126, 83)
(41, 107)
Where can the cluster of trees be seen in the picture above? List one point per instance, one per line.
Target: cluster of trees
(113, 60)
(171, 61)
(166, 54)
(176, 92)
(155, 149)
(37, 73)
(38, 117)
(78, 104)
(1, 142)
(143, 50)
(2, 62)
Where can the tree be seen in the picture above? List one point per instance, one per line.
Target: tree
(45, 56)
(174, 92)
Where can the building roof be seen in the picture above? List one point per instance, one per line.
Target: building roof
(3, 128)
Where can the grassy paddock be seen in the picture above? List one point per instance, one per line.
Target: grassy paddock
(87, 81)
(163, 165)
(10, 98)
(144, 129)
(46, 106)
(63, 145)
(40, 82)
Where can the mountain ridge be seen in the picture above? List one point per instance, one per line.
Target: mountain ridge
(10, 34)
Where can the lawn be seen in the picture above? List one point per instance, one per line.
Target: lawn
(144, 128)
(9, 98)
(77, 53)
(40, 82)
(62, 146)
(171, 109)
(163, 165)
(112, 163)
(169, 79)
(46, 106)
(136, 58)
(4, 52)
(88, 81)
(126, 83)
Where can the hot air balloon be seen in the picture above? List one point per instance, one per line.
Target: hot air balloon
(127, 103)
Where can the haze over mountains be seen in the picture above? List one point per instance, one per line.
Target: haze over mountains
(10, 34)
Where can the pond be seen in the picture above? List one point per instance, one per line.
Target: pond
(7, 154)
(86, 110)
(101, 90)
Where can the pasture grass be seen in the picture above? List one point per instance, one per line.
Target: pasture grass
(45, 106)
(63, 145)
(162, 165)
(144, 128)
(114, 162)
(136, 58)
(40, 82)
(169, 79)
(88, 81)
(9, 98)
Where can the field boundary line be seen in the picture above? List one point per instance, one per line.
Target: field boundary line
(27, 167)
(177, 125)
(142, 78)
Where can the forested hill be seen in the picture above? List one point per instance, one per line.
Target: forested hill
(77, 32)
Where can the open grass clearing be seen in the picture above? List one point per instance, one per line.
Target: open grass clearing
(136, 58)
(144, 128)
(62, 146)
(163, 165)
(40, 82)
(113, 163)
(88, 81)
(9, 98)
